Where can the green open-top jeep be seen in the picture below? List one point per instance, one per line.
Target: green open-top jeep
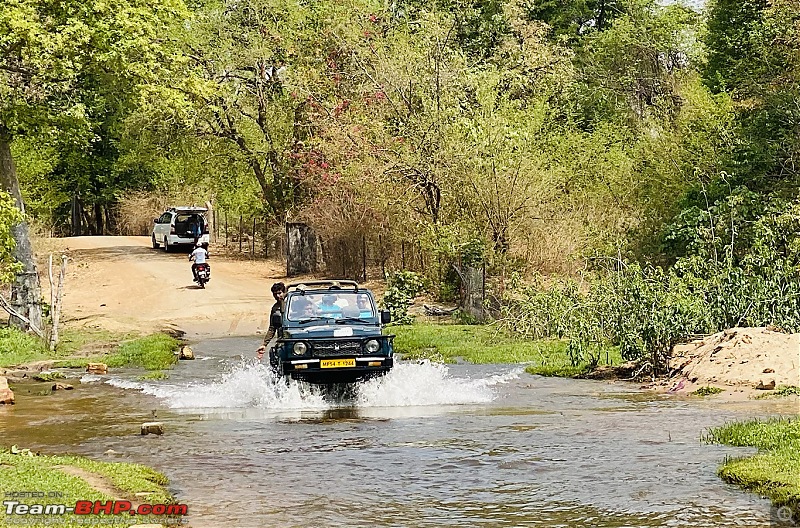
(331, 332)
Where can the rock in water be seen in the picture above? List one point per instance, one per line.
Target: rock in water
(97, 368)
(62, 386)
(6, 395)
(156, 428)
(187, 352)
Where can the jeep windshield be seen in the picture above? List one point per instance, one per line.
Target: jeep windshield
(342, 306)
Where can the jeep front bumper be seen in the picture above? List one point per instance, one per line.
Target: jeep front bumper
(336, 369)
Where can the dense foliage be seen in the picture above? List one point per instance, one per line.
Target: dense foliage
(644, 148)
(9, 215)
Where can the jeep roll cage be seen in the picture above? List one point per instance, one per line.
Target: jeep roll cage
(322, 285)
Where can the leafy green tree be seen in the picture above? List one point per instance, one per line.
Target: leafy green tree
(251, 80)
(9, 217)
(576, 18)
(47, 49)
(733, 40)
(753, 50)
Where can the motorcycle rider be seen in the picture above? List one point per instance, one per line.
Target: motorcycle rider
(199, 256)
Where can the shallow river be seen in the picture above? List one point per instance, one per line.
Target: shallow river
(428, 445)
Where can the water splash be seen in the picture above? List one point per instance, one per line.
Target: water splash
(250, 385)
(247, 385)
(426, 383)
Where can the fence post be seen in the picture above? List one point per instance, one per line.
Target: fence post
(286, 237)
(383, 256)
(266, 241)
(240, 233)
(253, 242)
(364, 256)
(226, 228)
(483, 294)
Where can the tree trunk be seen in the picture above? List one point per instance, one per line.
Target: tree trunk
(86, 220)
(77, 220)
(26, 297)
(55, 298)
(98, 218)
(601, 16)
(111, 226)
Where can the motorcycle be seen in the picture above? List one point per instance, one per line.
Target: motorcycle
(202, 274)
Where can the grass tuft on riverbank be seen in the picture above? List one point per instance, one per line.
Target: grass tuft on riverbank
(707, 391)
(775, 470)
(43, 474)
(153, 352)
(17, 347)
(483, 344)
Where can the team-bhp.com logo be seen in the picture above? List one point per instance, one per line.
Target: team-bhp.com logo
(116, 507)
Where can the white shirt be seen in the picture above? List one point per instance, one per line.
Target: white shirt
(199, 255)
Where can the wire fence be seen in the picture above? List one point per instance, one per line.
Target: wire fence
(248, 236)
(346, 256)
(349, 257)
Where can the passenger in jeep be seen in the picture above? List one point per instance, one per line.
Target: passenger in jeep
(328, 306)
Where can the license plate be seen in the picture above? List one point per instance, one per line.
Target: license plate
(337, 363)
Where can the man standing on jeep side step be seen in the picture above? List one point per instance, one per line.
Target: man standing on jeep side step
(279, 292)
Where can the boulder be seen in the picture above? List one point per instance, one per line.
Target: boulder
(62, 386)
(156, 428)
(186, 353)
(766, 385)
(97, 368)
(6, 395)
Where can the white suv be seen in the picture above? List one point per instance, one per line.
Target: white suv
(180, 226)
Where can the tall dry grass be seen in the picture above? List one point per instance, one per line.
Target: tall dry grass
(136, 211)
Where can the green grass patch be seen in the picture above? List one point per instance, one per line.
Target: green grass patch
(74, 340)
(483, 344)
(153, 352)
(19, 472)
(775, 470)
(780, 392)
(154, 375)
(17, 347)
(564, 370)
(707, 391)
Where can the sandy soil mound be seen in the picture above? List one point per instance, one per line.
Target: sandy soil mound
(738, 357)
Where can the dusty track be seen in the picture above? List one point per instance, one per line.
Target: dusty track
(122, 284)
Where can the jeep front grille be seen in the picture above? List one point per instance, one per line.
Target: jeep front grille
(335, 348)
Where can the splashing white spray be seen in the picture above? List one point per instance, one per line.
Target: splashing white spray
(254, 386)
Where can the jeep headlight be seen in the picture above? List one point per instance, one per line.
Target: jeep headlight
(373, 346)
(299, 348)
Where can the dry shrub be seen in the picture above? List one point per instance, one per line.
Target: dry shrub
(343, 222)
(136, 211)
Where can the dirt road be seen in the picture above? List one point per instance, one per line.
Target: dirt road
(122, 284)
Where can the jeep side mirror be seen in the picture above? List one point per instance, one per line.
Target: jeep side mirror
(386, 317)
(276, 320)
(155, 220)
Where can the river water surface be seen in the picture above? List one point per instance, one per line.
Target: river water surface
(428, 445)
